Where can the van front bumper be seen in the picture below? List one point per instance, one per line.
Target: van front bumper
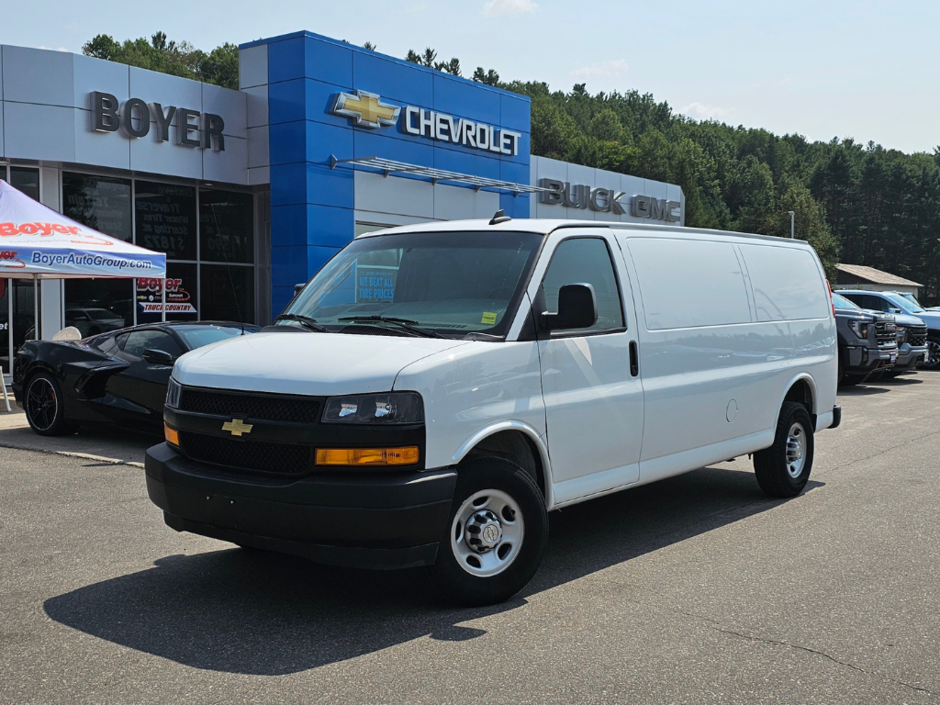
(375, 520)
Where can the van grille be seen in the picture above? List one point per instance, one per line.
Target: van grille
(267, 407)
(886, 335)
(917, 335)
(273, 458)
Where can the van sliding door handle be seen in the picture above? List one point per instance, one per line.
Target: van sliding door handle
(634, 361)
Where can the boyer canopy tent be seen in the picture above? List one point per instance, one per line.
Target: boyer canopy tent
(37, 242)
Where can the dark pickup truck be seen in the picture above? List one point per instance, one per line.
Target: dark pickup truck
(868, 341)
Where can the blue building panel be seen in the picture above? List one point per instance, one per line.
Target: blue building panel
(329, 187)
(330, 226)
(375, 143)
(515, 113)
(478, 164)
(466, 99)
(286, 60)
(288, 187)
(387, 78)
(515, 206)
(328, 61)
(319, 101)
(312, 206)
(287, 101)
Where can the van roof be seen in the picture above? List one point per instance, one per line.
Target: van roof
(546, 226)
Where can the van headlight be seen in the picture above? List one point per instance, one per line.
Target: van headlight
(173, 394)
(392, 408)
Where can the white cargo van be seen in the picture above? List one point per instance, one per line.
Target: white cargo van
(434, 391)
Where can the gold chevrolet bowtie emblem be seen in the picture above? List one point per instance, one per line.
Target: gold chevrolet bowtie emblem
(365, 109)
(237, 427)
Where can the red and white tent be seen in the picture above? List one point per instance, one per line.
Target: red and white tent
(37, 242)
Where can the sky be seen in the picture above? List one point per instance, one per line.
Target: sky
(823, 69)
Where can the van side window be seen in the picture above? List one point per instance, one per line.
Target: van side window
(585, 260)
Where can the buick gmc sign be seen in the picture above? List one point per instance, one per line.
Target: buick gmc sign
(605, 200)
(134, 116)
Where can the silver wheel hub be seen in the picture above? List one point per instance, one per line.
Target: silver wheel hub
(483, 531)
(796, 450)
(487, 532)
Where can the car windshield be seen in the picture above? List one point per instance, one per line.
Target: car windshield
(903, 303)
(842, 302)
(199, 335)
(451, 283)
(912, 299)
(101, 314)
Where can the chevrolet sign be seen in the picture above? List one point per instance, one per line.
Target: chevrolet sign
(368, 110)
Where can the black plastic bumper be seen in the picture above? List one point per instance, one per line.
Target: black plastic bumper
(860, 360)
(909, 358)
(369, 521)
(836, 416)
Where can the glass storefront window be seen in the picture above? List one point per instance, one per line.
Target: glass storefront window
(26, 180)
(98, 305)
(226, 223)
(103, 203)
(166, 218)
(228, 293)
(180, 295)
(6, 298)
(100, 202)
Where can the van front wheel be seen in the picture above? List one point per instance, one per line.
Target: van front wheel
(783, 469)
(495, 536)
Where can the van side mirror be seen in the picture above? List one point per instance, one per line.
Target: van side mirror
(159, 357)
(577, 308)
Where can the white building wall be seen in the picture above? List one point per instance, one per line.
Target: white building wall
(395, 200)
(46, 115)
(575, 174)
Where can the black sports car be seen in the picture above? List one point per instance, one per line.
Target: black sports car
(119, 377)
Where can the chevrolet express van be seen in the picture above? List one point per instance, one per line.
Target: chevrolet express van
(435, 391)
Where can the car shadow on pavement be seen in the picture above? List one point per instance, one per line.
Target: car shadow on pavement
(250, 612)
(862, 391)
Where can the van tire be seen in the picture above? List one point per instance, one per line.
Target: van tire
(496, 496)
(780, 473)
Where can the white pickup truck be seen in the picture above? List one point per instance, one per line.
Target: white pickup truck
(435, 391)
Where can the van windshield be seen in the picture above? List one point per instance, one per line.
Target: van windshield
(450, 283)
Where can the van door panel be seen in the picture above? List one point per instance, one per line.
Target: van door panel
(593, 405)
(704, 364)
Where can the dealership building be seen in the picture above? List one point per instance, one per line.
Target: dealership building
(249, 192)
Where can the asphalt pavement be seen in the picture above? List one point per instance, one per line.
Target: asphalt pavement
(696, 589)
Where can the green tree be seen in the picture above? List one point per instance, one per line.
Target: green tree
(810, 225)
(220, 66)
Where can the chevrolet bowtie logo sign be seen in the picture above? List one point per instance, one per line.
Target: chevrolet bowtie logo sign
(237, 427)
(369, 110)
(366, 109)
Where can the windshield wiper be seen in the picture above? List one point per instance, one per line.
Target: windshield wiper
(403, 323)
(305, 321)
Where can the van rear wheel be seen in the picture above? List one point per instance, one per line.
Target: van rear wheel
(496, 534)
(783, 469)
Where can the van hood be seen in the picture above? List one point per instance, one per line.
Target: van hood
(316, 364)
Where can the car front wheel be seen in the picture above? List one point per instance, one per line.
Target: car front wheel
(496, 534)
(783, 469)
(44, 406)
(933, 354)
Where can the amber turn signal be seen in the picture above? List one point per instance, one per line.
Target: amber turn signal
(368, 456)
(172, 435)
